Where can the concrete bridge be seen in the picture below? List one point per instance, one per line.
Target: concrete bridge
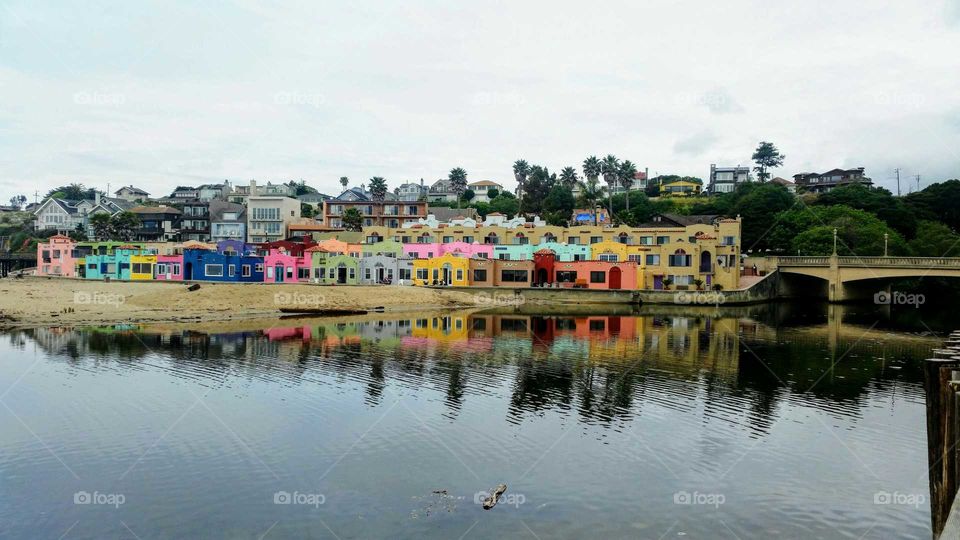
(854, 278)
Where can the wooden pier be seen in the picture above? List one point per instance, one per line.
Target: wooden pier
(942, 386)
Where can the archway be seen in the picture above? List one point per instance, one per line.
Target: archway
(706, 261)
(541, 276)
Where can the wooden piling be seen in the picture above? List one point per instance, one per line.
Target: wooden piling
(942, 431)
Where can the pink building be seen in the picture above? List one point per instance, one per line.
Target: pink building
(169, 268)
(55, 257)
(465, 249)
(282, 267)
(589, 274)
(421, 251)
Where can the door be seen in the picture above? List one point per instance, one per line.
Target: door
(188, 271)
(658, 282)
(278, 273)
(541, 276)
(615, 277)
(341, 274)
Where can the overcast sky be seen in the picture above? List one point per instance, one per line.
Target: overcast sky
(167, 93)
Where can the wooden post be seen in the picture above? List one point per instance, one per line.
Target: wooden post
(936, 386)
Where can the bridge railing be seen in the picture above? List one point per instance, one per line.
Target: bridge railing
(912, 262)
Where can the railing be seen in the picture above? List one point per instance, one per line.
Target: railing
(910, 262)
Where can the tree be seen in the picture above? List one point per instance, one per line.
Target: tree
(101, 225)
(568, 177)
(344, 181)
(937, 202)
(17, 201)
(766, 157)
(505, 204)
(520, 171)
(590, 193)
(877, 201)
(301, 188)
(627, 175)
(73, 192)
(558, 205)
(458, 182)
(935, 239)
(306, 210)
(123, 226)
(352, 219)
(492, 193)
(378, 188)
(809, 231)
(610, 167)
(469, 195)
(757, 205)
(536, 189)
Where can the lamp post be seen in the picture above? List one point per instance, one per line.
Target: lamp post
(834, 240)
(886, 237)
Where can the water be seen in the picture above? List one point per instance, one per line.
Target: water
(772, 421)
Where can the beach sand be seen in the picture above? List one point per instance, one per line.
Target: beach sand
(40, 301)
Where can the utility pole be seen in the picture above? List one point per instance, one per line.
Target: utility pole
(918, 181)
(897, 170)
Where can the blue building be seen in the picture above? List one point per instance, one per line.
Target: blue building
(207, 265)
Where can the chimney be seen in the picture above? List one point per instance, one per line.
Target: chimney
(96, 197)
(253, 187)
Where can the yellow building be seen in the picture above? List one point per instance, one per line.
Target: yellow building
(448, 269)
(141, 266)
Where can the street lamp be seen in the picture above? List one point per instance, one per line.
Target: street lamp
(885, 238)
(834, 240)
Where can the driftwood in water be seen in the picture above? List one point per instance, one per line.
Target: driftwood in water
(322, 311)
(491, 501)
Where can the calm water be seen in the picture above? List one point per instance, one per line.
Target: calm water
(760, 422)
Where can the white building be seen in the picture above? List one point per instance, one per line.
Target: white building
(268, 217)
(481, 188)
(726, 179)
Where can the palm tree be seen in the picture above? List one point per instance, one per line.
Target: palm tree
(378, 188)
(610, 167)
(590, 193)
(628, 172)
(344, 181)
(520, 171)
(568, 177)
(591, 168)
(458, 182)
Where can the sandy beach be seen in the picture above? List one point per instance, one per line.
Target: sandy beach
(34, 301)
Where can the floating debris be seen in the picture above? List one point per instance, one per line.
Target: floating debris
(491, 501)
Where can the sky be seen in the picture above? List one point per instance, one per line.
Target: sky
(183, 93)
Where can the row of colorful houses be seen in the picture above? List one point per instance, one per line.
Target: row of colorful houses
(688, 258)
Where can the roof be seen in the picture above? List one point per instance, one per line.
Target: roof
(781, 181)
(677, 220)
(133, 189)
(446, 214)
(193, 244)
(219, 208)
(484, 183)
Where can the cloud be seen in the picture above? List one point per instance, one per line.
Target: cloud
(696, 144)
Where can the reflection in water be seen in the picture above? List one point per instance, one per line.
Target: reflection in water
(771, 405)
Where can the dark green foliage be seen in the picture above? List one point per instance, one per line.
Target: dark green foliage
(878, 201)
(937, 202)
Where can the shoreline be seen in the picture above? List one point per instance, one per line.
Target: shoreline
(41, 301)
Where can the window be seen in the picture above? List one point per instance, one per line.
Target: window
(366, 273)
(270, 272)
(513, 276)
(468, 239)
(213, 270)
(663, 240)
(245, 272)
(404, 273)
(653, 260)
(566, 276)
(459, 274)
(679, 258)
(258, 268)
(423, 273)
(646, 240)
(479, 275)
(634, 258)
(692, 239)
(683, 280)
(728, 241)
(289, 272)
(447, 239)
(608, 257)
(303, 273)
(232, 270)
(573, 240)
(596, 239)
(598, 277)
